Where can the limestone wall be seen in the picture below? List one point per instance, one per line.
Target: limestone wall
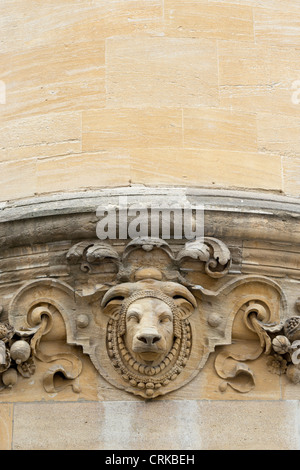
(154, 92)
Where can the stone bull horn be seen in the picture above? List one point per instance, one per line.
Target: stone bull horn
(171, 289)
(176, 291)
(170, 292)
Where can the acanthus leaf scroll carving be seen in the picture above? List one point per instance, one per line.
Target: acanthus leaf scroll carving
(213, 253)
(145, 323)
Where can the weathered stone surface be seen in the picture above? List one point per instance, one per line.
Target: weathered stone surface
(69, 426)
(107, 168)
(263, 257)
(11, 185)
(131, 128)
(268, 425)
(213, 425)
(45, 135)
(159, 72)
(6, 427)
(208, 75)
(279, 135)
(207, 167)
(255, 78)
(62, 85)
(277, 26)
(291, 170)
(207, 19)
(208, 128)
(52, 24)
(149, 74)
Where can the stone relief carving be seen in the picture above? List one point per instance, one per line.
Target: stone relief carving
(15, 356)
(32, 317)
(146, 309)
(285, 355)
(145, 323)
(148, 335)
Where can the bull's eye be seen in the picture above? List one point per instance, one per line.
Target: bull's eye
(165, 319)
(134, 317)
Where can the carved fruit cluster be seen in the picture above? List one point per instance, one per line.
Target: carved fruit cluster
(15, 357)
(287, 350)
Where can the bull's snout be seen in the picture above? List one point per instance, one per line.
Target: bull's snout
(149, 337)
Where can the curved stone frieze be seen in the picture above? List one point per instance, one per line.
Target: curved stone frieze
(150, 335)
(150, 312)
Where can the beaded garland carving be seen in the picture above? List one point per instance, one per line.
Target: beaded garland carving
(148, 378)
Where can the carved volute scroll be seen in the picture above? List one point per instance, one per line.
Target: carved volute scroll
(34, 313)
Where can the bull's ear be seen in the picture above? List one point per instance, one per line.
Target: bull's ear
(112, 308)
(185, 308)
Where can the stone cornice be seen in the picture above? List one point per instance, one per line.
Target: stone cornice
(87, 201)
(227, 214)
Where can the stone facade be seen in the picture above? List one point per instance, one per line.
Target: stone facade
(149, 343)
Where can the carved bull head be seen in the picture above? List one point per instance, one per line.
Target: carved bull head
(149, 329)
(149, 315)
